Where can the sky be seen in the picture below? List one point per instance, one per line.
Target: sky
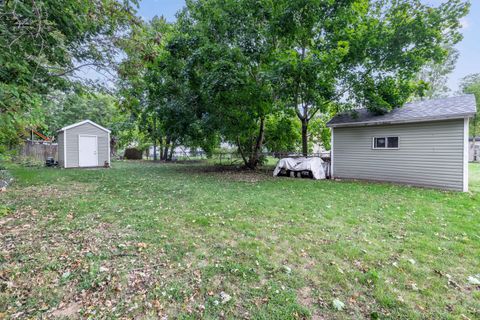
(469, 48)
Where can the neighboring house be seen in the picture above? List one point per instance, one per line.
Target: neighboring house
(83, 144)
(424, 143)
(474, 153)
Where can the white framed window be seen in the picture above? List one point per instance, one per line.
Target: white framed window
(391, 142)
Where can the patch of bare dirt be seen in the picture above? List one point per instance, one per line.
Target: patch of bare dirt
(51, 191)
(229, 172)
(305, 298)
(70, 311)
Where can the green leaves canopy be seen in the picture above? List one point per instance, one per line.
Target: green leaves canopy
(43, 43)
(230, 66)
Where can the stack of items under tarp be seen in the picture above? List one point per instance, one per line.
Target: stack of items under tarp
(313, 167)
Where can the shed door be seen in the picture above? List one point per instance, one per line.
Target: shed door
(87, 151)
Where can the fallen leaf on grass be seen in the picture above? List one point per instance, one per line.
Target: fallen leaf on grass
(287, 269)
(225, 297)
(451, 281)
(141, 246)
(338, 305)
(474, 279)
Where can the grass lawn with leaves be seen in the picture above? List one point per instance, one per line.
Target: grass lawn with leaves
(146, 240)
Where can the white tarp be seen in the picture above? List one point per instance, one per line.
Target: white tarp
(314, 165)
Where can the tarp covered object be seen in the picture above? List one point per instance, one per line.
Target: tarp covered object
(314, 165)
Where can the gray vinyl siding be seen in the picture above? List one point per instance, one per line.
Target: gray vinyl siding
(60, 149)
(72, 143)
(429, 154)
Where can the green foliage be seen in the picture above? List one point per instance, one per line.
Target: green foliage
(43, 43)
(4, 211)
(233, 69)
(155, 86)
(282, 134)
(30, 162)
(363, 52)
(471, 84)
(133, 154)
(63, 109)
(435, 75)
(229, 70)
(319, 133)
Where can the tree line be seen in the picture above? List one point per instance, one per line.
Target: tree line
(246, 71)
(257, 74)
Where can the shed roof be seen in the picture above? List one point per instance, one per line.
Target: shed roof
(84, 122)
(419, 111)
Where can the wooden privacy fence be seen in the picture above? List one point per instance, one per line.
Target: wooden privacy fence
(39, 151)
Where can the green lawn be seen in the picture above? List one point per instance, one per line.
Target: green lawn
(143, 240)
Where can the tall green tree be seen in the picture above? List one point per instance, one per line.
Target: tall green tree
(471, 84)
(362, 52)
(44, 42)
(64, 108)
(228, 67)
(282, 134)
(233, 50)
(159, 89)
(435, 75)
(141, 47)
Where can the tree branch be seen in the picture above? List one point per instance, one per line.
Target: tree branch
(94, 64)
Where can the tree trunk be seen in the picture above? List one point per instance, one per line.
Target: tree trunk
(254, 157)
(165, 150)
(239, 150)
(160, 148)
(172, 148)
(304, 137)
(154, 139)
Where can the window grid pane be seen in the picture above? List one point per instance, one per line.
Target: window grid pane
(385, 142)
(380, 143)
(392, 142)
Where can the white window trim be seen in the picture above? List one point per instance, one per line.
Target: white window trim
(331, 153)
(78, 147)
(65, 148)
(84, 122)
(108, 138)
(386, 143)
(465, 154)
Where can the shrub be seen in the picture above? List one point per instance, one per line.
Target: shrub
(4, 210)
(133, 154)
(28, 161)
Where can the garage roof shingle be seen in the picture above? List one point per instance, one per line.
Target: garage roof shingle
(419, 111)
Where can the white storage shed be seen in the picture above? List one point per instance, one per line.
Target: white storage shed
(84, 145)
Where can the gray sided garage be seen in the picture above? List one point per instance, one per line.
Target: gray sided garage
(84, 144)
(423, 143)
